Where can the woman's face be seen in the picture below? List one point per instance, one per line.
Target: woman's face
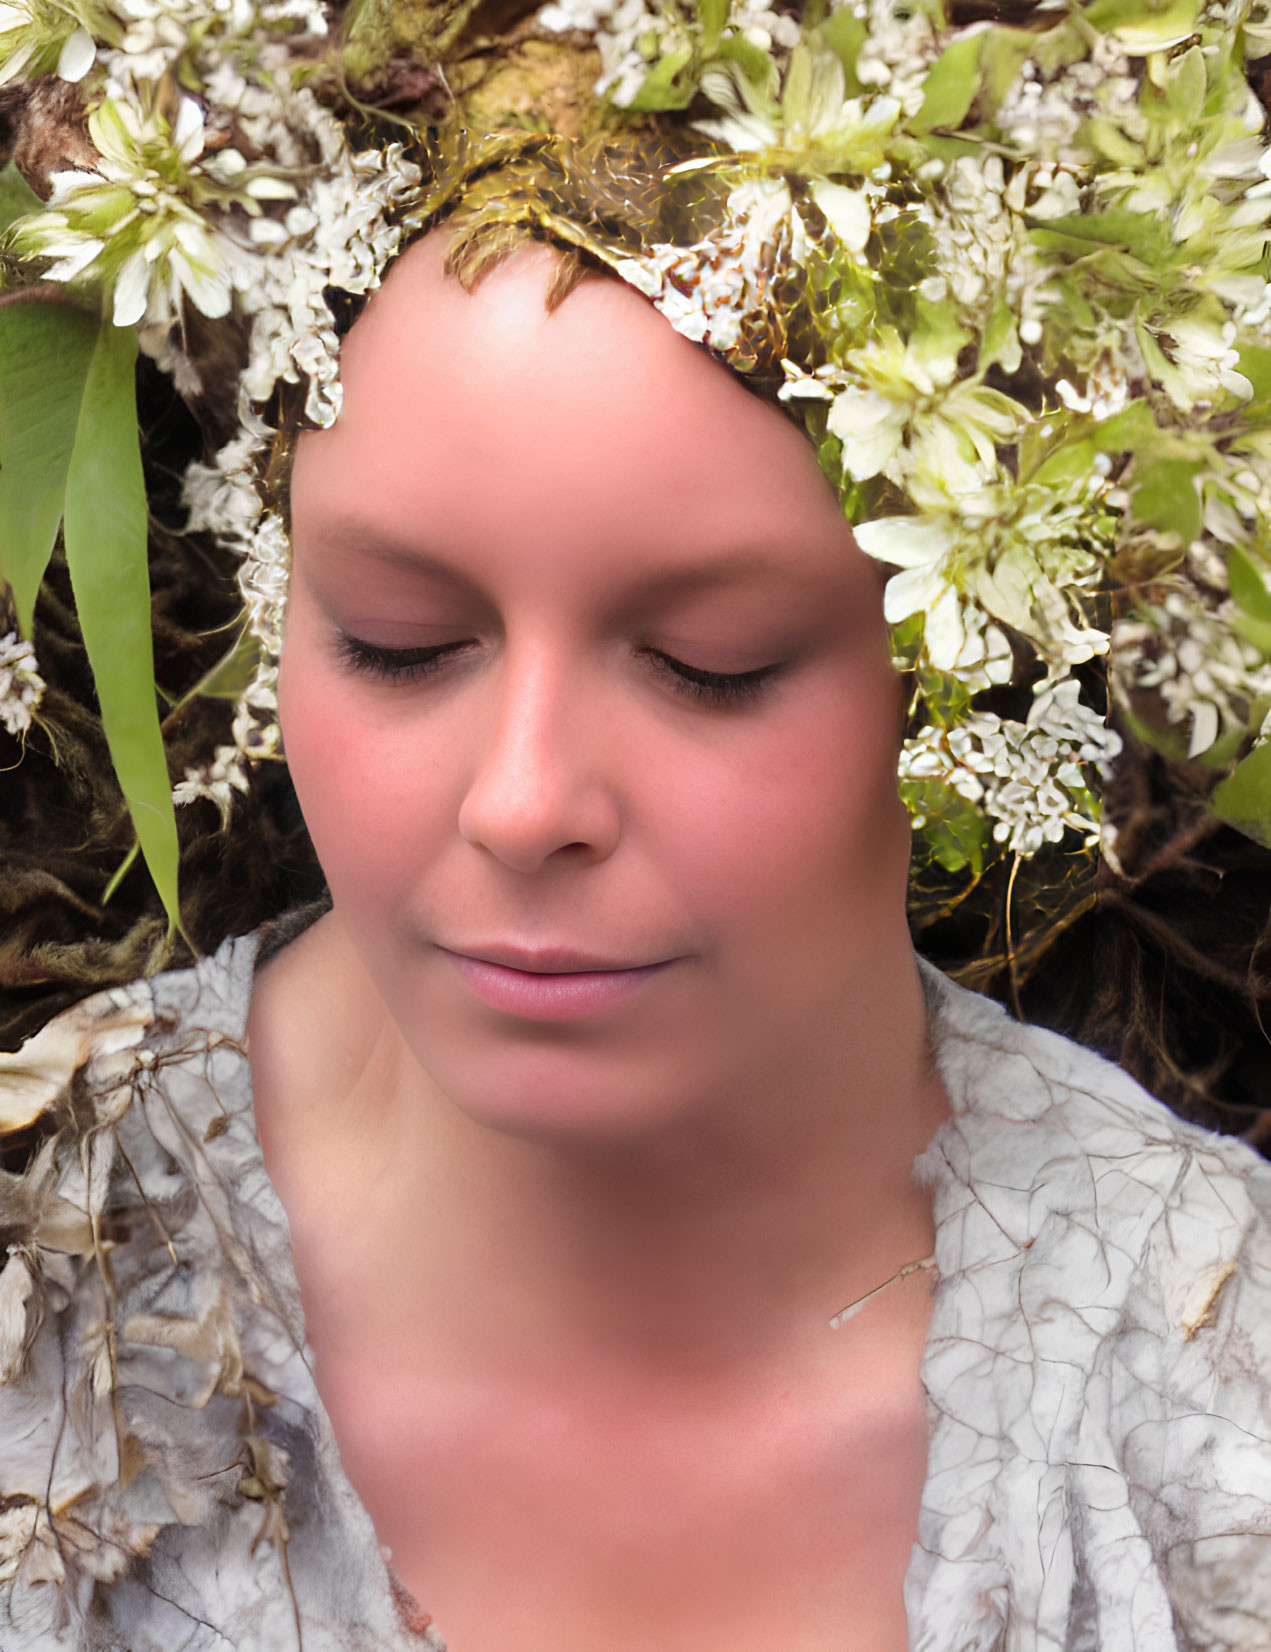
(562, 504)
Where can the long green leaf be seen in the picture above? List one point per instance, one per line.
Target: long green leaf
(44, 354)
(106, 553)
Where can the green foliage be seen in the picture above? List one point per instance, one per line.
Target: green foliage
(1250, 594)
(1243, 800)
(951, 86)
(845, 33)
(1255, 364)
(70, 448)
(17, 198)
(1165, 496)
(45, 350)
(666, 86)
(235, 670)
(1144, 25)
(949, 830)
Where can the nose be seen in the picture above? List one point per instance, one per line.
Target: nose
(541, 754)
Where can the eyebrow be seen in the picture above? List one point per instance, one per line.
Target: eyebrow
(730, 568)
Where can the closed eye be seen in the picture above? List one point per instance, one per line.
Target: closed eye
(401, 665)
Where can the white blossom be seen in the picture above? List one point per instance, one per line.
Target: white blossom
(1028, 777)
(44, 36)
(709, 290)
(898, 51)
(1027, 565)
(216, 780)
(139, 217)
(1210, 679)
(262, 578)
(632, 35)
(21, 686)
(223, 497)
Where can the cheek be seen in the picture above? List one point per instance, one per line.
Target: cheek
(792, 829)
(350, 776)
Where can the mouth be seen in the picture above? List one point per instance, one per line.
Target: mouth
(555, 993)
(546, 960)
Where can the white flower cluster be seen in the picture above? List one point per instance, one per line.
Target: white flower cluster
(620, 29)
(1205, 673)
(21, 686)
(338, 235)
(157, 33)
(978, 228)
(632, 35)
(1027, 777)
(899, 50)
(708, 291)
(1044, 115)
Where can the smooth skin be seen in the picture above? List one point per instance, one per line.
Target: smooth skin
(568, 1285)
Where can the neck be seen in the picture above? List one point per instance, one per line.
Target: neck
(698, 1244)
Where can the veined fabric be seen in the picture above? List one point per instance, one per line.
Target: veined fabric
(1098, 1366)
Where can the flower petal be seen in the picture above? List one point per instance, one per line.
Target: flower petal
(905, 541)
(78, 55)
(132, 289)
(944, 632)
(187, 135)
(847, 211)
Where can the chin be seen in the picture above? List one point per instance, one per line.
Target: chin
(560, 1100)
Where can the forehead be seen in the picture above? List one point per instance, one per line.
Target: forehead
(475, 419)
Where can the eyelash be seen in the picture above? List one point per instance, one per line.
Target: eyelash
(398, 665)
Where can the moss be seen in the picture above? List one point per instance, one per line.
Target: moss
(536, 85)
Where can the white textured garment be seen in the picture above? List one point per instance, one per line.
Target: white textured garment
(1098, 1367)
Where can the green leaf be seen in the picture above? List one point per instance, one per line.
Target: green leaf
(1256, 631)
(1247, 585)
(1109, 140)
(1143, 232)
(1144, 26)
(1185, 90)
(1222, 754)
(950, 87)
(106, 540)
(1000, 340)
(712, 14)
(659, 90)
(943, 148)
(1133, 428)
(45, 350)
(234, 671)
(17, 198)
(953, 832)
(1055, 48)
(844, 34)
(1255, 364)
(1166, 496)
(1003, 55)
(1243, 800)
(753, 61)
(1070, 463)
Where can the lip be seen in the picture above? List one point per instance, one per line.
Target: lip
(550, 993)
(548, 960)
